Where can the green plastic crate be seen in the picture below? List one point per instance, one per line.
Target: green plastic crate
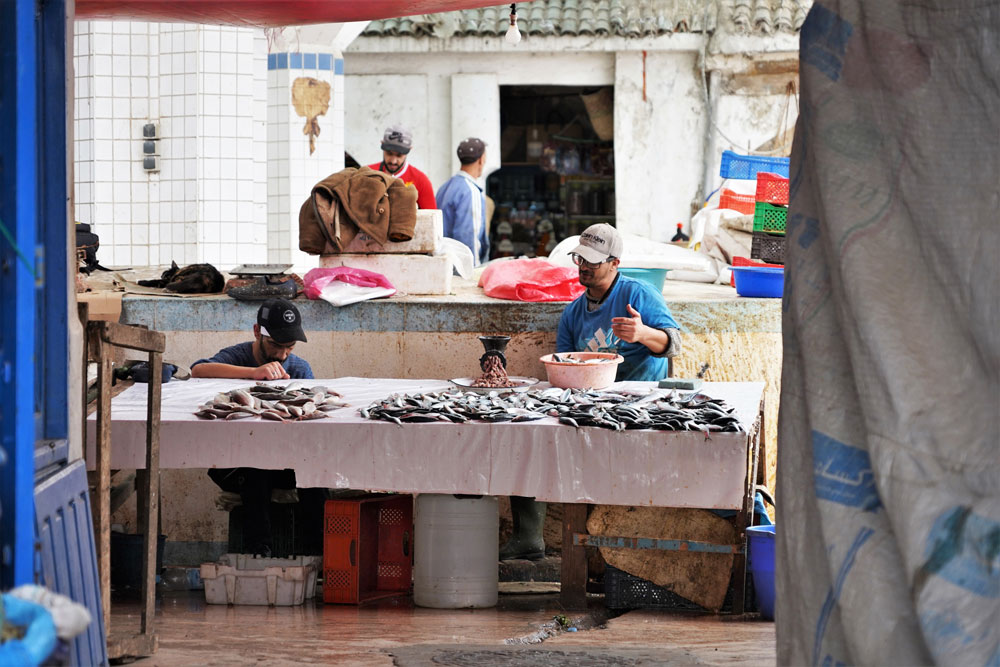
(769, 218)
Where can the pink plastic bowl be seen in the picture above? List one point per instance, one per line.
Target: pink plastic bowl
(582, 376)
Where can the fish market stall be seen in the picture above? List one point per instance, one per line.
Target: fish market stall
(546, 456)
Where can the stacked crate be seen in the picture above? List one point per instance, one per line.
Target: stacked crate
(769, 217)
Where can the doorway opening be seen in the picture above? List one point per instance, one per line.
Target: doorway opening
(557, 173)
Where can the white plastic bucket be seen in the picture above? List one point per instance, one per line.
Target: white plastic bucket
(455, 546)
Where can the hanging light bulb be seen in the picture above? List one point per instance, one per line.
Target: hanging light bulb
(513, 35)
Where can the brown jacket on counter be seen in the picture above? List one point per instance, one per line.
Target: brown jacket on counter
(356, 200)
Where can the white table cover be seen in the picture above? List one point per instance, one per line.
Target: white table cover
(544, 459)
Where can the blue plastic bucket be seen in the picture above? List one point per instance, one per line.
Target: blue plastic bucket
(762, 281)
(761, 547)
(654, 277)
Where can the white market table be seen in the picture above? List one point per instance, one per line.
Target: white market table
(543, 459)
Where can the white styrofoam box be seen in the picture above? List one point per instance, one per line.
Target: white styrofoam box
(248, 580)
(409, 274)
(427, 235)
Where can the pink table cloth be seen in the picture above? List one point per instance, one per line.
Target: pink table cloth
(544, 459)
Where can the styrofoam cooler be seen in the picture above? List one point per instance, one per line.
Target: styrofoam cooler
(455, 547)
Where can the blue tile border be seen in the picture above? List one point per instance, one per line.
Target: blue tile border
(296, 60)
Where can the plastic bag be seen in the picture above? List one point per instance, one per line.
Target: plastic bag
(530, 280)
(70, 618)
(344, 285)
(40, 633)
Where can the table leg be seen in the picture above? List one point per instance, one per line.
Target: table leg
(573, 571)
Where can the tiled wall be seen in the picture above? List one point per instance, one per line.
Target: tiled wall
(292, 169)
(206, 88)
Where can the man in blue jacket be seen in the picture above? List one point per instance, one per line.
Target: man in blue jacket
(462, 202)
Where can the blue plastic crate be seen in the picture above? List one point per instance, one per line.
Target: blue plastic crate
(746, 167)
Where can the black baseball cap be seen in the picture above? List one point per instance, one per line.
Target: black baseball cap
(471, 150)
(280, 319)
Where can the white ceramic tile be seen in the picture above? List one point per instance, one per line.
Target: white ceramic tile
(210, 104)
(139, 45)
(228, 256)
(120, 65)
(177, 42)
(154, 255)
(140, 233)
(121, 128)
(102, 210)
(191, 39)
(140, 86)
(177, 62)
(121, 171)
(154, 234)
(139, 65)
(191, 82)
(177, 232)
(121, 89)
(166, 214)
(244, 191)
(102, 86)
(227, 106)
(103, 193)
(140, 193)
(176, 216)
(210, 61)
(140, 107)
(140, 216)
(102, 44)
(121, 212)
(229, 190)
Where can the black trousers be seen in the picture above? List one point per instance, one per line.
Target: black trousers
(254, 486)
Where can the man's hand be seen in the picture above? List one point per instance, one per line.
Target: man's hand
(632, 330)
(269, 371)
(629, 329)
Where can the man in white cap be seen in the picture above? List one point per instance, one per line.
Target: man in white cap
(396, 144)
(617, 313)
(462, 202)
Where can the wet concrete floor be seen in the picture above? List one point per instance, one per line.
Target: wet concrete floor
(394, 632)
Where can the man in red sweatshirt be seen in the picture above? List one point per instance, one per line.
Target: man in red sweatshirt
(396, 143)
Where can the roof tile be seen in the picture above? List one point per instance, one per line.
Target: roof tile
(638, 18)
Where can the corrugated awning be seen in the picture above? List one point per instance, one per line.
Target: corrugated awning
(265, 13)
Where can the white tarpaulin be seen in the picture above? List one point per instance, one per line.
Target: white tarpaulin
(889, 449)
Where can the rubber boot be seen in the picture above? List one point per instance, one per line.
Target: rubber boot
(527, 541)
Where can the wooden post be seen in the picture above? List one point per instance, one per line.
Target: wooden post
(573, 571)
(102, 497)
(151, 491)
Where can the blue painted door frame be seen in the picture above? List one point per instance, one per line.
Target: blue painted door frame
(33, 262)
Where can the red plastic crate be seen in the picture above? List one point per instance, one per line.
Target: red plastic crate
(772, 188)
(367, 548)
(736, 201)
(743, 261)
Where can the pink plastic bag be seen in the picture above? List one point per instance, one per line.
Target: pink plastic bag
(531, 280)
(343, 285)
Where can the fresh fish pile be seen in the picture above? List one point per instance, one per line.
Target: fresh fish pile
(574, 407)
(293, 402)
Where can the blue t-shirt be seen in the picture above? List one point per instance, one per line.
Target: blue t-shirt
(582, 331)
(242, 355)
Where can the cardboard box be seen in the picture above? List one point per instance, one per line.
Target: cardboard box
(106, 306)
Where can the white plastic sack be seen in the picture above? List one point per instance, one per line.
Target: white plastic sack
(641, 253)
(888, 519)
(460, 255)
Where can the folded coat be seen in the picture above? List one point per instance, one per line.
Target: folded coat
(356, 200)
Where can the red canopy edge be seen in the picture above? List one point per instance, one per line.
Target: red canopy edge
(266, 13)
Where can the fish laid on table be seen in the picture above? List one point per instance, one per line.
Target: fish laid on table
(572, 407)
(292, 402)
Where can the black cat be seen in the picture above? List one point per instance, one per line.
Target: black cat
(192, 279)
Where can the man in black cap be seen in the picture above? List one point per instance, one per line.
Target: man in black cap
(269, 356)
(396, 144)
(462, 202)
